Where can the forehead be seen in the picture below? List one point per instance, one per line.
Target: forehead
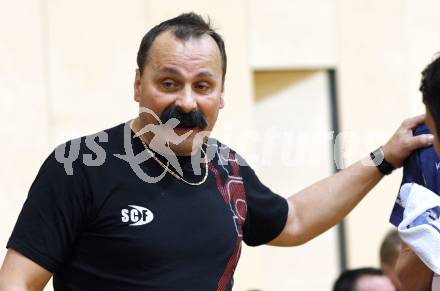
(374, 283)
(190, 55)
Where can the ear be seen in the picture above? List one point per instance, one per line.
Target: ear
(137, 86)
(222, 100)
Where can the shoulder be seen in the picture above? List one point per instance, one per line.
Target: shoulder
(420, 155)
(421, 166)
(221, 154)
(107, 138)
(88, 150)
(104, 137)
(421, 129)
(427, 153)
(229, 163)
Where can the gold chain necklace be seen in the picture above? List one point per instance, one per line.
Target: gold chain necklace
(175, 175)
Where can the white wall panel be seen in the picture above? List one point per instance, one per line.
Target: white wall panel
(293, 34)
(23, 106)
(294, 150)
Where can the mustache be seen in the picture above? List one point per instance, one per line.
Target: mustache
(187, 119)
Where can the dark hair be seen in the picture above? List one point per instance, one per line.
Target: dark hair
(389, 249)
(348, 279)
(184, 26)
(430, 88)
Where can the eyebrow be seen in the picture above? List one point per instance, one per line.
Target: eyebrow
(169, 70)
(205, 74)
(175, 71)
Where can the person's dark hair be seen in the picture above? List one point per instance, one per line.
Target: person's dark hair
(389, 249)
(184, 26)
(348, 279)
(430, 88)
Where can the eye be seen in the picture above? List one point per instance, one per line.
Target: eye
(202, 86)
(169, 84)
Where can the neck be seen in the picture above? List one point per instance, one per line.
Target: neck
(137, 124)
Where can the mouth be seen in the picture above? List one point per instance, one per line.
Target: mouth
(194, 120)
(184, 128)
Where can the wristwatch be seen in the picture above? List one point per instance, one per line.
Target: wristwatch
(379, 161)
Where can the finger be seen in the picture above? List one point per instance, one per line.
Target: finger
(422, 140)
(414, 121)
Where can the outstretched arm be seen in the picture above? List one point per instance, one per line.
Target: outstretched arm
(325, 203)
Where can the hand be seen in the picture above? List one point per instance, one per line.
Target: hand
(402, 143)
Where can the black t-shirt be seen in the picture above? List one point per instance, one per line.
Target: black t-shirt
(97, 225)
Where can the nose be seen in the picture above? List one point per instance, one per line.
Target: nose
(186, 100)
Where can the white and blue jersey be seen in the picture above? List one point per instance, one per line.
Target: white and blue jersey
(421, 167)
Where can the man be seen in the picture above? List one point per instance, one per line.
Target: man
(422, 168)
(363, 279)
(105, 224)
(389, 252)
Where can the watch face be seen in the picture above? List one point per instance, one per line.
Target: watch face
(377, 156)
(379, 161)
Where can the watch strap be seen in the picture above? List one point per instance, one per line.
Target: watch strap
(380, 162)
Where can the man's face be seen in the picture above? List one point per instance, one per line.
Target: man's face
(433, 129)
(390, 272)
(374, 283)
(184, 74)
